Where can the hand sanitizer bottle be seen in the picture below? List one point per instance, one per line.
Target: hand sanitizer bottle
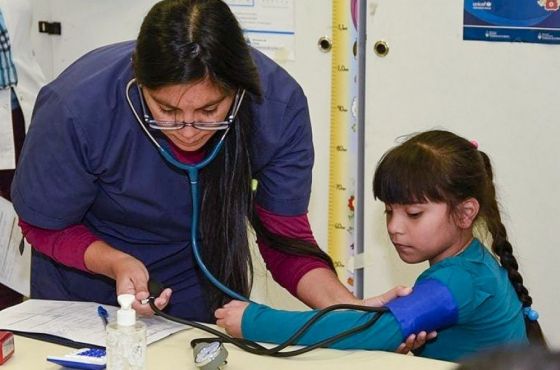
(126, 338)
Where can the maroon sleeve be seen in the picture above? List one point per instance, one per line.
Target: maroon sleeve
(66, 246)
(285, 268)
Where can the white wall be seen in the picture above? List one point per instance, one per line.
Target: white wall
(312, 69)
(42, 43)
(85, 26)
(505, 95)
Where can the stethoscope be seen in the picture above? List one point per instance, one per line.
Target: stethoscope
(192, 171)
(212, 350)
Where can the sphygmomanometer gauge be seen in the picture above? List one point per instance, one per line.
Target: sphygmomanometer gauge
(210, 356)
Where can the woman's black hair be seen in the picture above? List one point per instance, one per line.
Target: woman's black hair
(187, 41)
(184, 41)
(440, 166)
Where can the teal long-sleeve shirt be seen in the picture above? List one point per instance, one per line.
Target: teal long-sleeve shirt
(489, 314)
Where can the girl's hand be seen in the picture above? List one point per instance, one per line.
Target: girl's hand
(229, 317)
(415, 341)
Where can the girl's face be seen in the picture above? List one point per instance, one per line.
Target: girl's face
(196, 102)
(425, 231)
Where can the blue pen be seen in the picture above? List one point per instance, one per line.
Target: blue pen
(102, 312)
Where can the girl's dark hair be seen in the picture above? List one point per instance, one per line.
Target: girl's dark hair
(186, 41)
(440, 166)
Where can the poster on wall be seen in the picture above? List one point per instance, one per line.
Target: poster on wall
(535, 21)
(268, 25)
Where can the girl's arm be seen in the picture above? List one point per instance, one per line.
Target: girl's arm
(264, 324)
(431, 306)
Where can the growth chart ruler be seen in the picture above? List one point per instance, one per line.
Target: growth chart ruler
(343, 150)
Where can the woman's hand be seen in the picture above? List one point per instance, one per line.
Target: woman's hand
(129, 273)
(131, 276)
(229, 317)
(413, 341)
(383, 299)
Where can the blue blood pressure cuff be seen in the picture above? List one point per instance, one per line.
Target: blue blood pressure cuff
(429, 307)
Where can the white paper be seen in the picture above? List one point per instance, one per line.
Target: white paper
(7, 147)
(15, 253)
(77, 321)
(268, 25)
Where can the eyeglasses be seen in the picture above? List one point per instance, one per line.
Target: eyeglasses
(207, 126)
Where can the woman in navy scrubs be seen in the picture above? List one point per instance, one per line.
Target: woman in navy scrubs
(105, 212)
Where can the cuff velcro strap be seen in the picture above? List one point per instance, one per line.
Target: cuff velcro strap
(429, 307)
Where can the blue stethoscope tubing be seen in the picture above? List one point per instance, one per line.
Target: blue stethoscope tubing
(249, 346)
(192, 171)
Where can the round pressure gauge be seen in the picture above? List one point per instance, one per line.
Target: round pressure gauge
(210, 356)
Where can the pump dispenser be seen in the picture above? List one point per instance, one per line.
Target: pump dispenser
(126, 338)
(126, 316)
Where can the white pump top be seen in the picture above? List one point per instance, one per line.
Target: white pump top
(126, 316)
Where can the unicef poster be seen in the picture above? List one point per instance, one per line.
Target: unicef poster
(536, 21)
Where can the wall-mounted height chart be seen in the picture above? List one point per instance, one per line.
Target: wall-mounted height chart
(342, 175)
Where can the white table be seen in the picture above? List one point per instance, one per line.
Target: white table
(175, 353)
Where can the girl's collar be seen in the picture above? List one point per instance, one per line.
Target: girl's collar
(464, 248)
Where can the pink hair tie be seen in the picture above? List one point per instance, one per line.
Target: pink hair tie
(474, 143)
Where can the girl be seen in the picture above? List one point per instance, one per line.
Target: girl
(435, 186)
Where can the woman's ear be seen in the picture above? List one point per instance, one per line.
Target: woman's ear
(467, 212)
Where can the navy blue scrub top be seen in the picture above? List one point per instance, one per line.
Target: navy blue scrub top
(86, 160)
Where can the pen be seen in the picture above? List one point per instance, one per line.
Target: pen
(102, 312)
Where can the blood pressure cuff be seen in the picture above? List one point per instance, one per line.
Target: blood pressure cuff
(429, 307)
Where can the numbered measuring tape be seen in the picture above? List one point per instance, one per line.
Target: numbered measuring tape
(343, 143)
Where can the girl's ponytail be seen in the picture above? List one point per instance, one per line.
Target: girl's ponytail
(503, 249)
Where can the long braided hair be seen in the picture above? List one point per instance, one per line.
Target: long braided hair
(503, 249)
(440, 166)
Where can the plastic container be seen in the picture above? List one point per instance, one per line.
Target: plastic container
(126, 338)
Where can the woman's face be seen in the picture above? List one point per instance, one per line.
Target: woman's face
(200, 101)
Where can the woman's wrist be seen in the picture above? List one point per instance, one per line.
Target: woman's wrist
(320, 288)
(103, 259)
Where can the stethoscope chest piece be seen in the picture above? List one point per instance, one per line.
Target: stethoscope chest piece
(210, 356)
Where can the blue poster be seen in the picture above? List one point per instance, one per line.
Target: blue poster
(536, 21)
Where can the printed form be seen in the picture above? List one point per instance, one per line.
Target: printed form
(7, 147)
(15, 253)
(269, 25)
(76, 321)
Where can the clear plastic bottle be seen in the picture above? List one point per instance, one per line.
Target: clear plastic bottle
(126, 338)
